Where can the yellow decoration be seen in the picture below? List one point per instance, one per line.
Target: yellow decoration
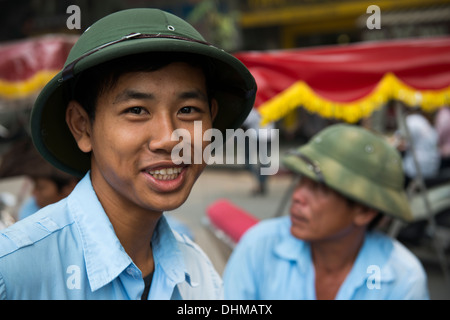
(22, 89)
(390, 87)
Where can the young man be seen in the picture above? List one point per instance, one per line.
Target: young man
(325, 249)
(131, 79)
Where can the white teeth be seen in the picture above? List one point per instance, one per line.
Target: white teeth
(166, 173)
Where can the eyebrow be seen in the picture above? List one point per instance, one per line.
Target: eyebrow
(194, 94)
(130, 94)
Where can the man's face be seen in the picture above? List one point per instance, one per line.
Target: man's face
(130, 138)
(319, 213)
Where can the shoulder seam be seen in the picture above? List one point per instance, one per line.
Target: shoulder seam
(24, 240)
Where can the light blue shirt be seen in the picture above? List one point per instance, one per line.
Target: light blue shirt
(269, 263)
(30, 207)
(69, 250)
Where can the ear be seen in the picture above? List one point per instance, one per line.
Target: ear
(364, 215)
(79, 125)
(214, 109)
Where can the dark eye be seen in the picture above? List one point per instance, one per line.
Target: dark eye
(187, 110)
(135, 110)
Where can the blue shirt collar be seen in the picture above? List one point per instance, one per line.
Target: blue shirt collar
(293, 249)
(375, 251)
(373, 255)
(168, 255)
(104, 255)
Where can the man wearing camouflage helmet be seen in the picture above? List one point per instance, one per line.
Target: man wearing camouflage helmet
(130, 81)
(326, 248)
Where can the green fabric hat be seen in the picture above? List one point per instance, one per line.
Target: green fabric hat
(356, 163)
(121, 34)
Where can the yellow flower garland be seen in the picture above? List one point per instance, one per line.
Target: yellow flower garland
(390, 87)
(22, 89)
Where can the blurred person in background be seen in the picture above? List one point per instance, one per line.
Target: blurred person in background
(442, 125)
(49, 184)
(349, 178)
(253, 144)
(424, 143)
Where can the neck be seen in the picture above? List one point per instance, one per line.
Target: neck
(134, 227)
(337, 254)
(135, 233)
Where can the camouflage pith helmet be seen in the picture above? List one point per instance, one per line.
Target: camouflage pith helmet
(357, 164)
(126, 33)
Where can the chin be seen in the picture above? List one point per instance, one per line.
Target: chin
(170, 202)
(170, 207)
(299, 234)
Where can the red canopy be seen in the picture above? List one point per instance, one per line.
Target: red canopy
(349, 82)
(27, 65)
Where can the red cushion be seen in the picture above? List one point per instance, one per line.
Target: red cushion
(229, 218)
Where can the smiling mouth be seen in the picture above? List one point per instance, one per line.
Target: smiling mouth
(165, 173)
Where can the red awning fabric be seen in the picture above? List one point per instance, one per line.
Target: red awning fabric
(346, 82)
(27, 65)
(349, 82)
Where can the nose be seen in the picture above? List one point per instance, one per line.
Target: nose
(161, 134)
(300, 192)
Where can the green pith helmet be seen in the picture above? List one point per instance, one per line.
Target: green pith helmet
(356, 163)
(126, 33)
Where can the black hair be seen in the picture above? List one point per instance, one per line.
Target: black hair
(93, 82)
